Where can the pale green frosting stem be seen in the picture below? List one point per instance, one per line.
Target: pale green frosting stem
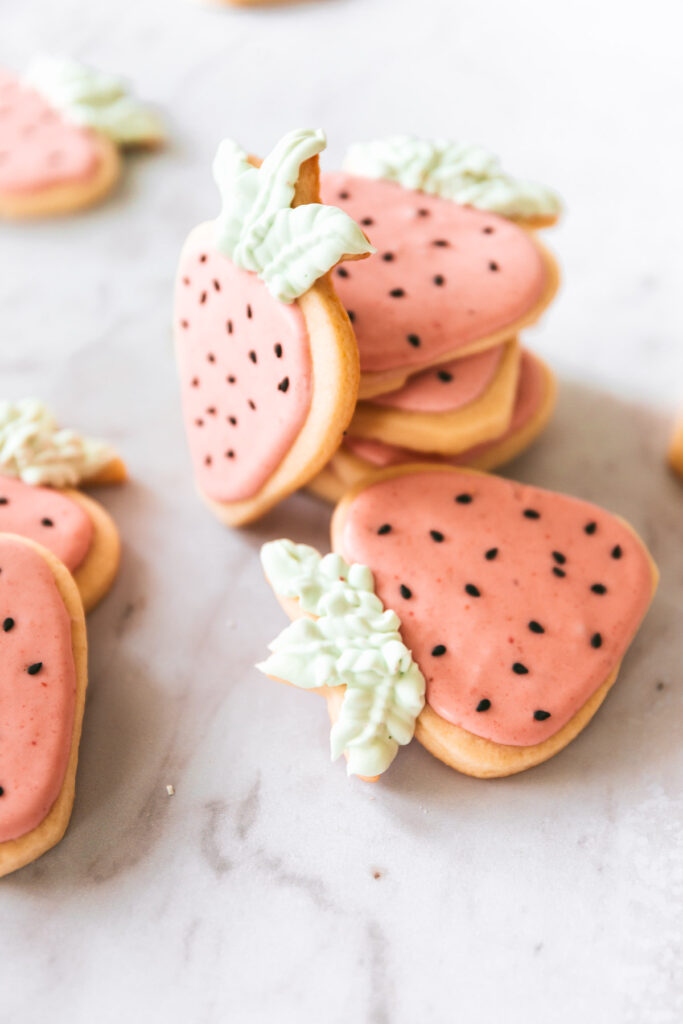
(94, 100)
(258, 230)
(468, 175)
(33, 448)
(352, 641)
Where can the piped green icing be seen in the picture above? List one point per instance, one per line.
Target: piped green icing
(352, 641)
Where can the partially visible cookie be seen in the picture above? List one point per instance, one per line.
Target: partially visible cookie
(676, 450)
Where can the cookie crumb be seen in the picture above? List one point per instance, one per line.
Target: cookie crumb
(170, 790)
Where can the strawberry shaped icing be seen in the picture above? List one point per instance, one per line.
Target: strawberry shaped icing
(37, 688)
(446, 278)
(447, 387)
(517, 603)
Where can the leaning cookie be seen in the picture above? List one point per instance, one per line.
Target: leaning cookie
(40, 467)
(267, 357)
(459, 267)
(43, 679)
(676, 450)
(516, 606)
(61, 130)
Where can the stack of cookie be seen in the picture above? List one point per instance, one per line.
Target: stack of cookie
(437, 312)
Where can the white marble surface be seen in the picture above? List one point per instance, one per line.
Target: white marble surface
(270, 888)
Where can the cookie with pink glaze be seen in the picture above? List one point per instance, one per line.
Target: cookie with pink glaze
(267, 358)
(43, 679)
(39, 466)
(61, 128)
(459, 268)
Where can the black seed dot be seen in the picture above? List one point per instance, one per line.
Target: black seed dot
(388, 256)
(436, 535)
(211, 357)
(35, 668)
(384, 528)
(531, 513)
(199, 422)
(8, 624)
(590, 528)
(232, 420)
(2, 791)
(249, 312)
(559, 557)
(4, 501)
(559, 572)
(493, 266)
(202, 258)
(230, 454)
(397, 293)
(211, 411)
(351, 315)
(216, 285)
(278, 350)
(596, 640)
(441, 242)
(439, 279)
(231, 379)
(414, 340)
(252, 405)
(342, 272)
(599, 588)
(343, 195)
(184, 323)
(445, 376)
(488, 231)
(406, 591)
(616, 551)
(491, 554)
(439, 650)
(228, 326)
(541, 716)
(472, 590)
(47, 522)
(423, 213)
(207, 460)
(252, 356)
(536, 627)
(519, 669)
(284, 384)
(202, 298)
(367, 221)
(463, 499)
(195, 382)
(484, 704)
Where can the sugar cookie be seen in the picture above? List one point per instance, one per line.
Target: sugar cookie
(267, 357)
(676, 450)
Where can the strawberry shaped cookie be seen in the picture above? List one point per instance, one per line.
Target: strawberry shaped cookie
(43, 677)
(517, 606)
(39, 466)
(267, 357)
(459, 268)
(61, 127)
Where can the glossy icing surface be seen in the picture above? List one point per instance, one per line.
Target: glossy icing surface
(47, 517)
(444, 276)
(245, 371)
(38, 148)
(508, 595)
(446, 387)
(37, 689)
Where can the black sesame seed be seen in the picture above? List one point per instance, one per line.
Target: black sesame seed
(491, 554)
(351, 315)
(484, 704)
(2, 791)
(35, 668)
(388, 256)
(541, 716)
(228, 326)
(8, 624)
(519, 669)
(195, 382)
(397, 293)
(211, 411)
(616, 551)
(439, 279)
(441, 242)
(559, 572)
(231, 379)
(536, 627)
(284, 384)
(249, 312)
(47, 522)
(414, 340)
(493, 265)
(590, 528)
(202, 297)
(596, 640)
(559, 557)
(531, 513)
(438, 650)
(230, 454)
(406, 591)
(342, 272)
(232, 420)
(488, 231)
(211, 357)
(343, 195)
(436, 535)
(202, 258)
(199, 422)
(472, 590)
(252, 356)
(384, 528)
(445, 376)
(278, 350)
(4, 501)
(184, 323)
(599, 588)
(207, 460)
(251, 404)
(367, 221)
(423, 213)
(463, 499)
(216, 284)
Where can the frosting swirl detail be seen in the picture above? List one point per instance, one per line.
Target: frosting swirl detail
(92, 99)
(353, 641)
(289, 249)
(34, 449)
(466, 174)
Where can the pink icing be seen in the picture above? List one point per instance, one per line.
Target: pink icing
(48, 517)
(36, 710)
(530, 394)
(38, 149)
(487, 275)
(447, 387)
(540, 570)
(245, 370)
